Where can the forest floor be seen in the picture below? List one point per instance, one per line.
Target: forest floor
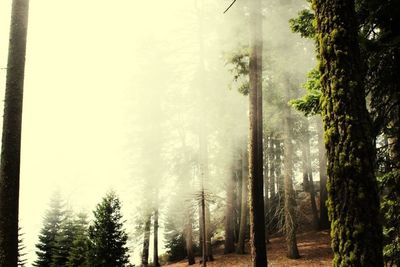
(314, 248)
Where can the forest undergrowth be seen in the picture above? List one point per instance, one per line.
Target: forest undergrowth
(314, 248)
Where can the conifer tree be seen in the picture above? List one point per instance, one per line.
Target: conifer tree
(107, 238)
(47, 238)
(64, 239)
(79, 249)
(21, 247)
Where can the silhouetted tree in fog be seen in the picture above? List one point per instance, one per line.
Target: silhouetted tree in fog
(11, 137)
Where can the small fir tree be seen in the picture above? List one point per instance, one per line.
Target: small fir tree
(107, 238)
(47, 238)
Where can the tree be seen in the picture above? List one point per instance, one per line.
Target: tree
(244, 204)
(107, 238)
(63, 240)
(51, 227)
(11, 136)
(290, 198)
(78, 255)
(21, 247)
(353, 201)
(257, 216)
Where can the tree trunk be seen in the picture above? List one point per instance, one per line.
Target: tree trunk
(290, 200)
(208, 234)
(229, 223)
(11, 137)
(240, 249)
(155, 228)
(308, 173)
(266, 186)
(189, 240)
(146, 242)
(323, 195)
(256, 188)
(203, 231)
(352, 189)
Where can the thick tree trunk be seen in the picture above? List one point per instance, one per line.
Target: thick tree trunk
(229, 214)
(11, 137)
(323, 195)
(146, 242)
(256, 188)
(352, 190)
(290, 200)
(240, 249)
(155, 239)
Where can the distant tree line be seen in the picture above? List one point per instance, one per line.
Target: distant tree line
(68, 239)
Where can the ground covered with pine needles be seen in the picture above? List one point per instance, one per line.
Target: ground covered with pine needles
(314, 248)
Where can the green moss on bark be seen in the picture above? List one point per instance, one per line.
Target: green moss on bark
(355, 227)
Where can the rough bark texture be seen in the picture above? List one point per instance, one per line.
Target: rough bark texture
(155, 239)
(256, 188)
(11, 137)
(323, 195)
(146, 242)
(290, 199)
(229, 215)
(353, 202)
(240, 249)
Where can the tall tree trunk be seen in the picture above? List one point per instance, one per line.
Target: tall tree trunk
(309, 174)
(290, 200)
(189, 240)
(11, 137)
(155, 239)
(352, 190)
(203, 230)
(229, 214)
(244, 208)
(146, 242)
(323, 195)
(256, 188)
(210, 256)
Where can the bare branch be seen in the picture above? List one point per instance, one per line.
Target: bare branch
(230, 6)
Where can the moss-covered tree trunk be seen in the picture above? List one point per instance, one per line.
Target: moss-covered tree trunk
(290, 225)
(240, 248)
(353, 201)
(323, 195)
(256, 182)
(11, 137)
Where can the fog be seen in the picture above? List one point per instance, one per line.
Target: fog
(137, 96)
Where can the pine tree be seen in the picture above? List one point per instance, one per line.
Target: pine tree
(21, 247)
(107, 238)
(64, 239)
(79, 248)
(47, 238)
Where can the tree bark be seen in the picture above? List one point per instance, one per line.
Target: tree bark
(146, 242)
(11, 136)
(353, 201)
(240, 249)
(256, 188)
(323, 195)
